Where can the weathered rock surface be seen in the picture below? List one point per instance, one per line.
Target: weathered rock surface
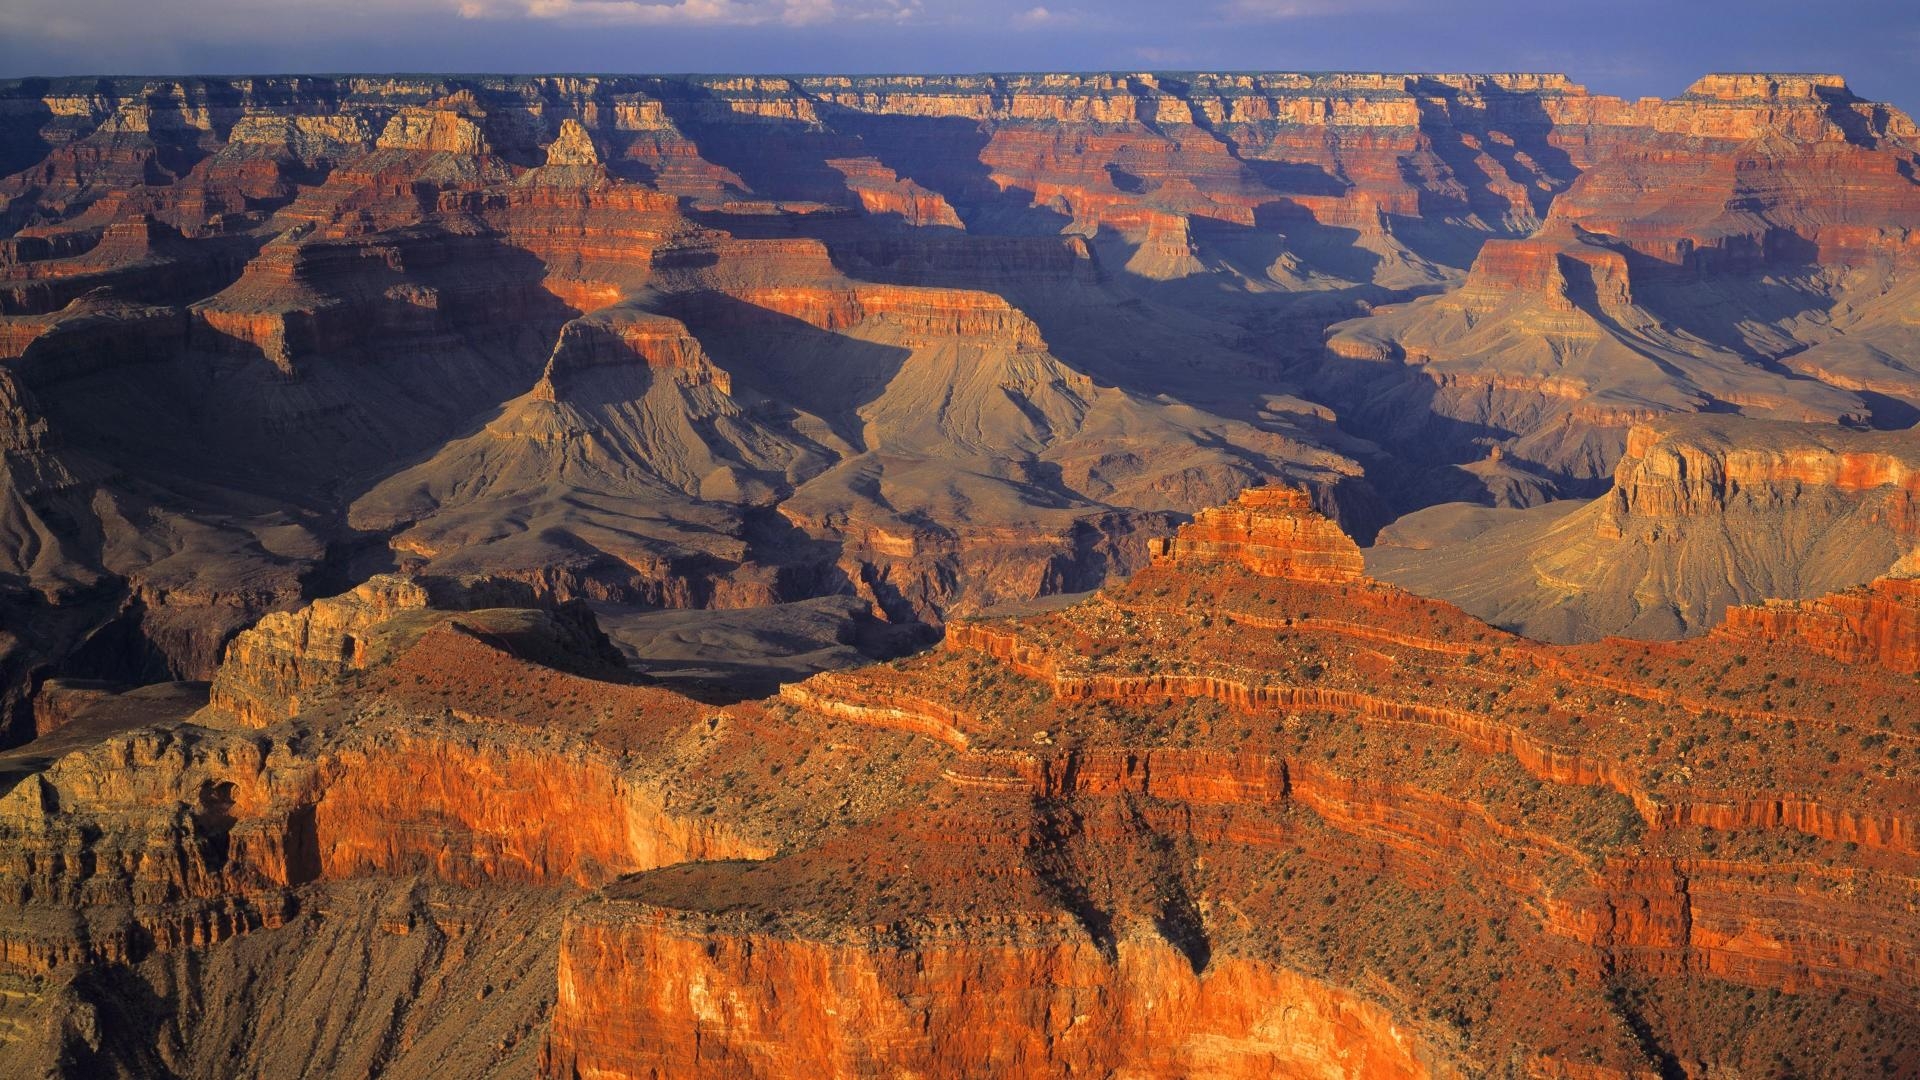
(1704, 513)
(1871, 624)
(348, 395)
(938, 343)
(1223, 819)
(1273, 532)
(267, 668)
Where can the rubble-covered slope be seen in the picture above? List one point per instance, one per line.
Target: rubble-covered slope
(936, 343)
(1704, 512)
(1249, 813)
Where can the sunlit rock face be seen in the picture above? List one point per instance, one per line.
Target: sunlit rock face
(1874, 623)
(1273, 532)
(906, 337)
(366, 439)
(1705, 514)
(1248, 814)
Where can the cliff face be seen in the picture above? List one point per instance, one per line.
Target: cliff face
(1698, 471)
(1273, 532)
(1235, 817)
(268, 667)
(1825, 128)
(1040, 1007)
(1704, 514)
(933, 321)
(301, 376)
(1875, 624)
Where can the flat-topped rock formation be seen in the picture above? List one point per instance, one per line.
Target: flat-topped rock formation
(1878, 623)
(936, 343)
(332, 409)
(1704, 513)
(1271, 531)
(267, 669)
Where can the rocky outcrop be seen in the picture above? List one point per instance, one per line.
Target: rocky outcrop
(572, 147)
(651, 341)
(1704, 514)
(930, 345)
(1047, 1002)
(1873, 624)
(1216, 819)
(267, 669)
(432, 131)
(1697, 471)
(1644, 880)
(1567, 273)
(185, 835)
(1273, 532)
(900, 337)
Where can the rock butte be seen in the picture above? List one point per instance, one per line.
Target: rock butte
(1249, 813)
(939, 343)
(1702, 516)
(1272, 532)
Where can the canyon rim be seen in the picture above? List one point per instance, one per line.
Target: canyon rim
(1133, 574)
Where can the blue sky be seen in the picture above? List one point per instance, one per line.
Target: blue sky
(1631, 47)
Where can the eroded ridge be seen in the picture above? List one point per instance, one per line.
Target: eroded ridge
(943, 342)
(1873, 624)
(1238, 816)
(1271, 531)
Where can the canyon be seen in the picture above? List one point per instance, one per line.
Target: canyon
(720, 343)
(1234, 816)
(1702, 516)
(1116, 574)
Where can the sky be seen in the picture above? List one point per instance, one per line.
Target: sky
(1630, 47)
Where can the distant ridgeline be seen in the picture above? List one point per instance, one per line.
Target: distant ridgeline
(934, 343)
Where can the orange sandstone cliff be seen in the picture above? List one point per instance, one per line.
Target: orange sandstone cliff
(1877, 624)
(1269, 531)
(1249, 813)
(365, 438)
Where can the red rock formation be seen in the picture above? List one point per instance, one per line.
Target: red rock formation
(1046, 1003)
(656, 342)
(1749, 203)
(1705, 513)
(1874, 624)
(685, 341)
(60, 700)
(1273, 532)
(325, 277)
(269, 668)
(1567, 272)
(1695, 472)
(1215, 820)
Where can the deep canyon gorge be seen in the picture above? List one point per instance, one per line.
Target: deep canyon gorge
(1049, 575)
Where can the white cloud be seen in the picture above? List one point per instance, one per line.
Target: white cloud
(692, 12)
(1274, 10)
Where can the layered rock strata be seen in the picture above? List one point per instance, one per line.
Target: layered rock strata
(897, 337)
(1704, 514)
(1874, 624)
(1233, 817)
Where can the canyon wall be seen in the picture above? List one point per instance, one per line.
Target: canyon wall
(1705, 514)
(938, 343)
(1226, 818)
(348, 396)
